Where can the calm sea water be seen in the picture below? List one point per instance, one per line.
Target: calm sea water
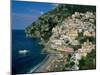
(23, 63)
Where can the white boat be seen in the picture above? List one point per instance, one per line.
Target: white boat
(23, 51)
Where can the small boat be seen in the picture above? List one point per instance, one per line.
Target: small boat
(23, 51)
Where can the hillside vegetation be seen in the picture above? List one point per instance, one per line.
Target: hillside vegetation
(42, 28)
(68, 32)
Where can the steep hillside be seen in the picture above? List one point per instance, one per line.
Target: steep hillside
(68, 35)
(43, 26)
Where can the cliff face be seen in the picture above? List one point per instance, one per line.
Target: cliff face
(42, 28)
(68, 32)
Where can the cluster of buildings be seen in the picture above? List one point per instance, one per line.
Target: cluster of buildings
(65, 36)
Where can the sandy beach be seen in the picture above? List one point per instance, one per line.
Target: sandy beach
(43, 65)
